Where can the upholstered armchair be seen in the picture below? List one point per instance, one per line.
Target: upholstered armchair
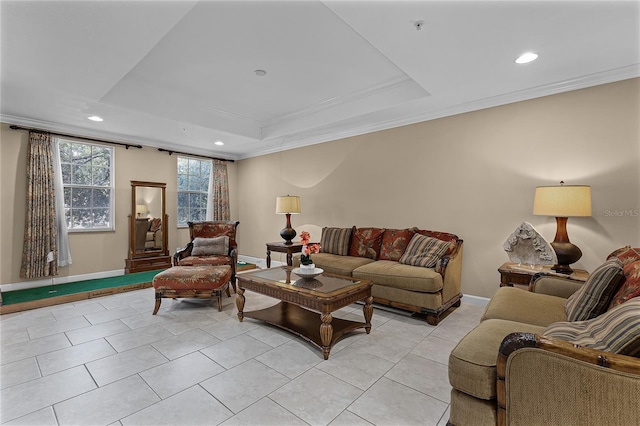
(212, 243)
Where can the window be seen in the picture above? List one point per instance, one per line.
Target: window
(87, 171)
(193, 187)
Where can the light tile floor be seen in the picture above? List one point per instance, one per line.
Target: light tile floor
(108, 361)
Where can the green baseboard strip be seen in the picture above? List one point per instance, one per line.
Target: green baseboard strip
(39, 293)
(32, 298)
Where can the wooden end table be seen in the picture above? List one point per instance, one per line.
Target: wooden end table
(306, 305)
(281, 247)
(515, 275)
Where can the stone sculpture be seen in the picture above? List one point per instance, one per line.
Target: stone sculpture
(527, 246)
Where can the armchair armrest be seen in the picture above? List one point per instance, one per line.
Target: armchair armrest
(550, 381)
(554, 284)
(182, 253)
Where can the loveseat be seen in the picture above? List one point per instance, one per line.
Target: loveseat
(564, 352)
(411, 269)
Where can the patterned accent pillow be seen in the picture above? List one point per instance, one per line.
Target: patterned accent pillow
(595, 295)
(394, 243)
(627, 255)
(617, 330)
(210, 246)
(630, 288)
(424, 251)
(365, 242)
(335, 240)
(155, 224)
(452, 239)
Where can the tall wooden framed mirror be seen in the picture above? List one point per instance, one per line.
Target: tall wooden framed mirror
(148, 228)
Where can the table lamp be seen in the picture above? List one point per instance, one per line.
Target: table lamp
(141, 209)
(288, 205)
(563, 201)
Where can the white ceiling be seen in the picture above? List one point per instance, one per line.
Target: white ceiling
(180, 74)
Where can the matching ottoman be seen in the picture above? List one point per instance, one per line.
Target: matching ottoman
(196, 282)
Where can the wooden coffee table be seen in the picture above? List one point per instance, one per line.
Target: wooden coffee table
(306, 304)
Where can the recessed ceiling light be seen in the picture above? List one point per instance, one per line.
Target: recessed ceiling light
(219, 143)
(95, 118)
(525, 58)
(260, 73)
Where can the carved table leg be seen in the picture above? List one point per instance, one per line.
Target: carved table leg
(326, 333)
(240, 302)
(268, 258)
(367, 309)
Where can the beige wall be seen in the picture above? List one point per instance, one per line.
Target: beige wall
(472, 174)
(92, 252)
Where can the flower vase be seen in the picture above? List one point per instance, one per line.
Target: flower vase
(309, 267)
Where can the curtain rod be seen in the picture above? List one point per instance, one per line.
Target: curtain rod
(126, 145)
(170, 152)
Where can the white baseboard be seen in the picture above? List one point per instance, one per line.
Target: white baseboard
(475, 300)
(258, 261)
(60, 280)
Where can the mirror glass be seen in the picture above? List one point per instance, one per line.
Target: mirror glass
(148, 220)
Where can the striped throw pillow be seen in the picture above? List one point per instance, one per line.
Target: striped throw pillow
(595, 295)
(335, 240)
(424, 251)
(617, 330)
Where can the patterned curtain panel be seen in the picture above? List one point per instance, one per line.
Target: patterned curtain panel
(218, 199)
(40, 229)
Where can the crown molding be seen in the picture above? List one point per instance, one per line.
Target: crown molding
(325, 134)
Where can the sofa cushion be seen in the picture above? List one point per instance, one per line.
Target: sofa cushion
(514, 304)
(393, 274)
(452, 239)
(336, 264)
(424, 251)
(472, 363)
(365, 242)
(335, 240)
(617, 330)
(394, 243)
(630, 288)
(595, 295)
(210, 246)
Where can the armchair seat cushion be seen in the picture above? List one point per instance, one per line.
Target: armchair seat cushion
(514, 304)
(472, 363)
(215, 260)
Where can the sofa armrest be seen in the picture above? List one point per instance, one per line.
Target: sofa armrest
(550, 381)
(554, 284)
(450, 268)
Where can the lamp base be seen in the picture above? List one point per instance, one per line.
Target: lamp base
(567, 254)
(287, 235)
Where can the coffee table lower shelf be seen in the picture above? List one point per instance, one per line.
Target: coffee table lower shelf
(307, 324)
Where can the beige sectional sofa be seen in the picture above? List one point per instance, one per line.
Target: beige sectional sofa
(529, 362)
(411, 269)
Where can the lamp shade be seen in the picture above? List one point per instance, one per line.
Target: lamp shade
(288, 204)
(562, 201)
(141, 209)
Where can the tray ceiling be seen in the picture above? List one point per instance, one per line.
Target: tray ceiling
(181, 75)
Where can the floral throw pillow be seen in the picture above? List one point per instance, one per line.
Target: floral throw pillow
(394, 243)
(365, 242)
(630, 288)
